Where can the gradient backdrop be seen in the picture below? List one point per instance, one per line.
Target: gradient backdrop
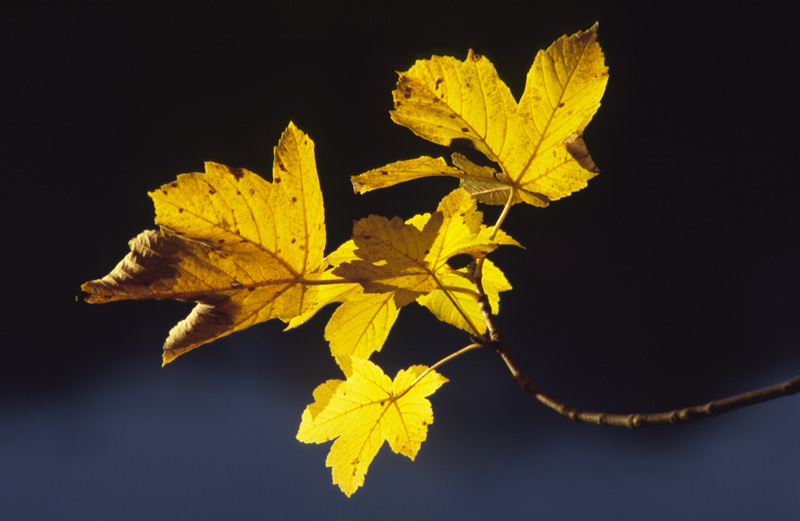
(672, 280)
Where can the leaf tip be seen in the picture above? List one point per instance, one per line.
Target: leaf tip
(83, 295)
(167, 357)
(589, 35)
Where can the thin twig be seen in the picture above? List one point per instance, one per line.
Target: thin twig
(686, 415)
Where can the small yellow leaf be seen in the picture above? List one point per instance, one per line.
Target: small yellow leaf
(246, 250)
(365, 410)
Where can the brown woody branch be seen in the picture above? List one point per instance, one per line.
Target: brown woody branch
(686, 415)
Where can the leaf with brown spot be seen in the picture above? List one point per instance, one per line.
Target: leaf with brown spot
(537, 143)
(246, 250)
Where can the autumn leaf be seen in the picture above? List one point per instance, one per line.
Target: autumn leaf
(365, 410)
(537, 144)
(409, 259)
(246, 250)
(391, 263)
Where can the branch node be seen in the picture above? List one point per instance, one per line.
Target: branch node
(481, 341)
(636, 420)
(528, 385)
(496, 345)
(572, 413)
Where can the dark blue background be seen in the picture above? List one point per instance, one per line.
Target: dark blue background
(669, 282)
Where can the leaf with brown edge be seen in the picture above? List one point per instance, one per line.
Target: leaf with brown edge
(537, 145)
(246, 250)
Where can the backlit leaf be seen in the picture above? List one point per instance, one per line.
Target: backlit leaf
(365, 410)
(246, 250)
(538, 144)
(445, 100)
(409, 259)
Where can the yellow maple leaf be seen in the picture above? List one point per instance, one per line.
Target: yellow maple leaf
(409, 259)
(246, 250)
(537, 143)
(393, 274)
(365, 410)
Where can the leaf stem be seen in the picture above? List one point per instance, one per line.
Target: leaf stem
(437, 364)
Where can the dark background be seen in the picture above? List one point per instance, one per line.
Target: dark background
(669, 282)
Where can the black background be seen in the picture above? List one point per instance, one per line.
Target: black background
(671, 280)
